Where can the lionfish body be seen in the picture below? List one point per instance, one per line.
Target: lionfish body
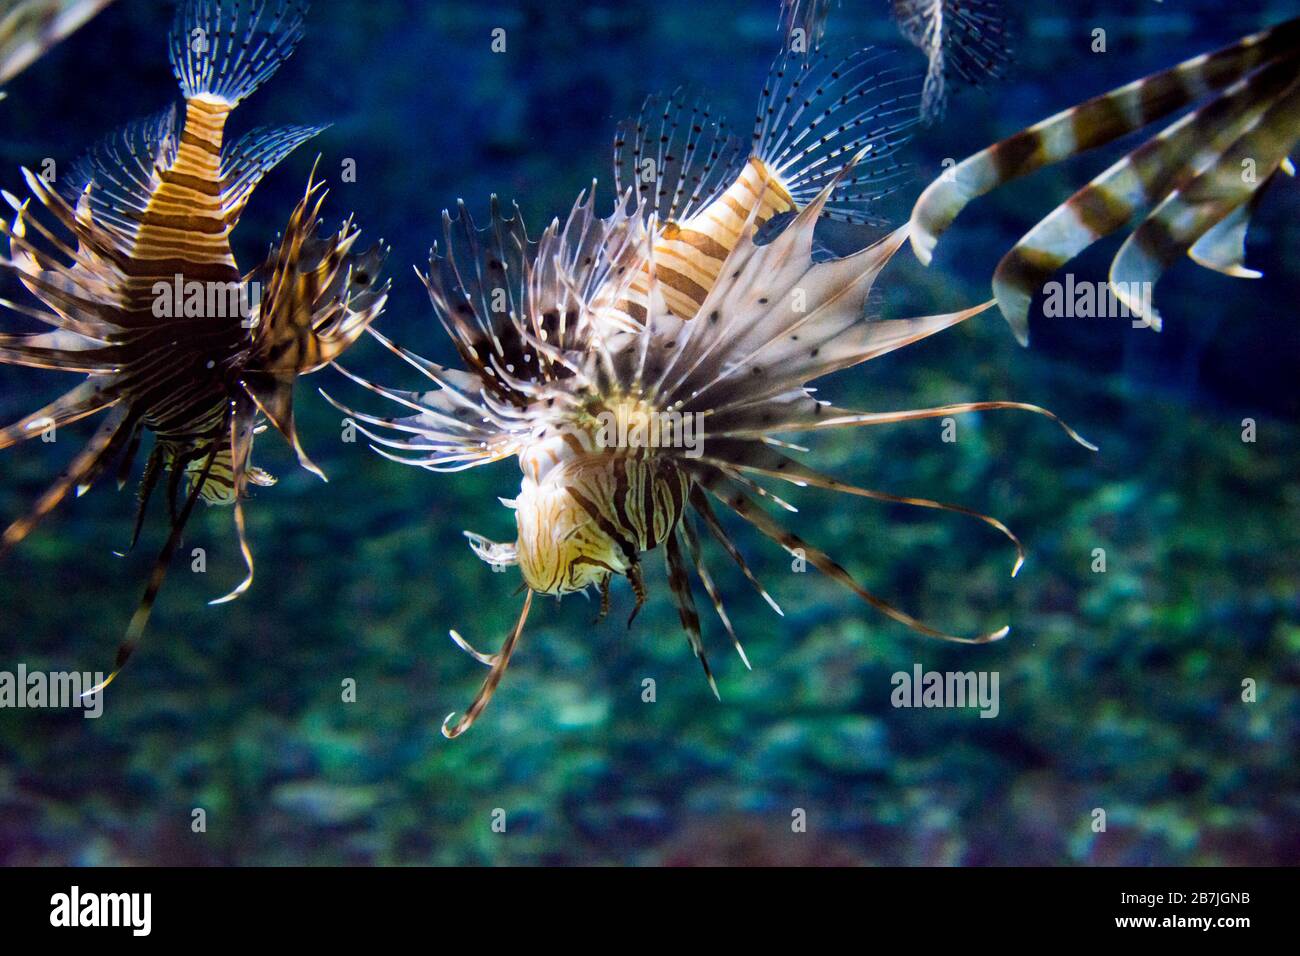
(635, 401)
(148, 300)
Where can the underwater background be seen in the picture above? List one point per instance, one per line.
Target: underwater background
(1119, 689)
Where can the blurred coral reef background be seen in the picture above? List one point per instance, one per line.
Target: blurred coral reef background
(1119, 690)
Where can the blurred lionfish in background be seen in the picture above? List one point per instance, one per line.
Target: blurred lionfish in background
(701, 308)
(146, 300)
(28, 28)
(966, 38)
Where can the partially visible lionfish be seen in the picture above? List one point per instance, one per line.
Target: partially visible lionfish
(965, 38)
(1194, 186)
(146, 300)
(671, 312)
(28, 28)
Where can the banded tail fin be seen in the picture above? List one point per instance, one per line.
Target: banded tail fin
(223, 50)
(1240, 82)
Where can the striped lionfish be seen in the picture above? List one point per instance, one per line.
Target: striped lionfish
(598, 354)
(1194, 186)
(146, 300)
(28, 28)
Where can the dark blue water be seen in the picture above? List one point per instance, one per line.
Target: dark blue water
(1120, 690)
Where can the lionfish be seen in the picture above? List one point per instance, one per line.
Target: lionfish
(1192, 187)
(28, 28)
(146, 300)
(594, 354)
(968, 39)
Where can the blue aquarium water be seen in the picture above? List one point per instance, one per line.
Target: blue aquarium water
(1144, 709)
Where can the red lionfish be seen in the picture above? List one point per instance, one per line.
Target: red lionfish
(1188, 185)
(670, 311)
(130, 297)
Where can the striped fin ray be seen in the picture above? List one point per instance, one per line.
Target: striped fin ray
(702, 572)
(222, 50)
(700, 503)
(730, 494)
(765, 461)
(140, 619)
(674, 157)
(83, 464)
(86, 399)
(1239, 81)
(680, 586)
(818, 113)
(1098, 121)
(254, 155)
(498, 663)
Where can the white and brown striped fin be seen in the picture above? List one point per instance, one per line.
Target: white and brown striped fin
(1241, 83)
(730, 493)
(29, 28)
(679, 584)
(140, 619)
(819, 113)
(969, 39)
(498, 663)
(1191, 211)
(702, 572)
(85, 463)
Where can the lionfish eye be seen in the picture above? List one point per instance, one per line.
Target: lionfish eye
(361, 277)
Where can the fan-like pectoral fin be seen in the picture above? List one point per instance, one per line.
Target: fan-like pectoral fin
(497, 662)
